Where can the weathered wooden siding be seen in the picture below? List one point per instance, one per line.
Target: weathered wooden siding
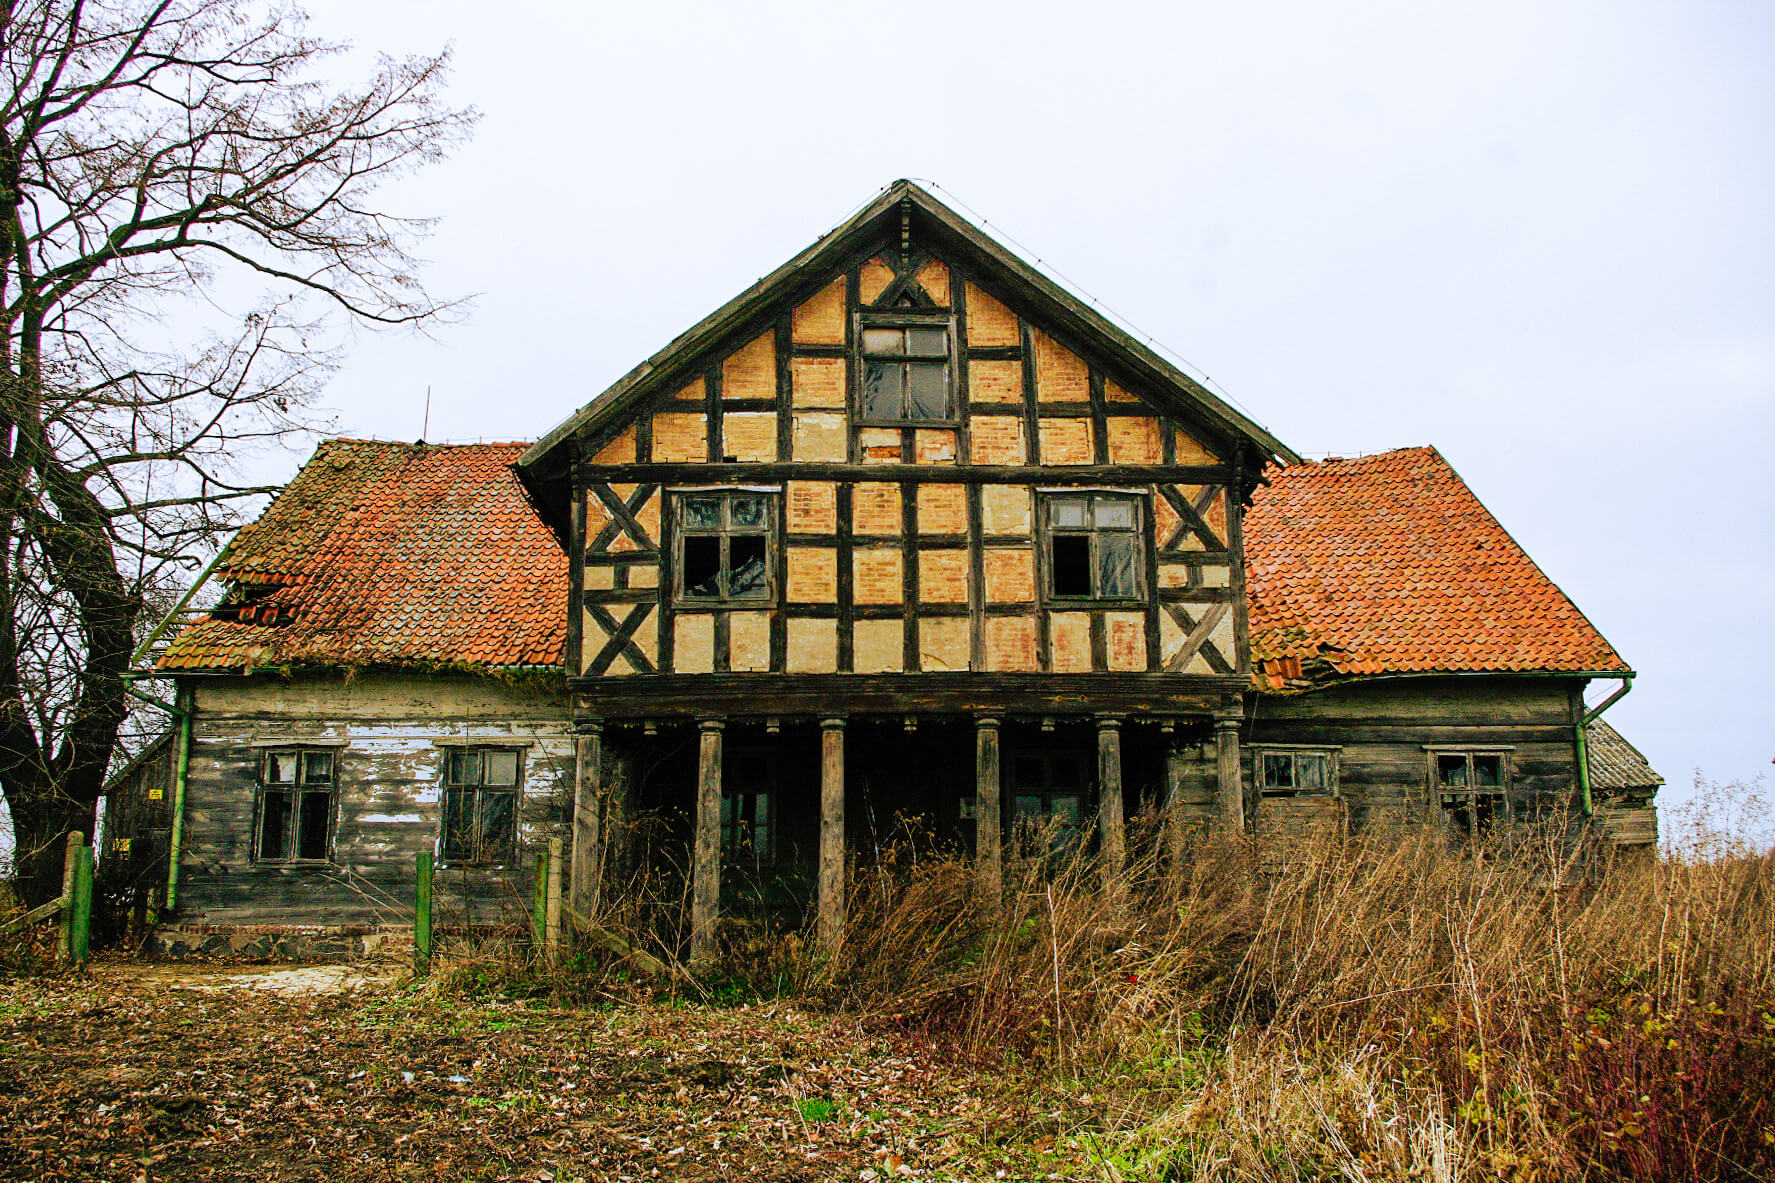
(906, 548)
(390, 735)
(1381, 731)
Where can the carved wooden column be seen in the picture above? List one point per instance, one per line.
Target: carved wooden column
(1112, 816)
(705, 886)
(988, 812)
(1230, 787)
(831, 834)
(588, 762)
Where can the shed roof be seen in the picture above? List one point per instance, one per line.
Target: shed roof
(389, 554)
(1616, 764)
(1388, 564)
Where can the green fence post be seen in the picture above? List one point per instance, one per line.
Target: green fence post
(539, 899)
(80, 932)
(422, 917)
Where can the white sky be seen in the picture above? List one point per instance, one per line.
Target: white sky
(1540, 236)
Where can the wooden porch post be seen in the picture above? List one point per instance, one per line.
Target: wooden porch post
(1112, 816)
(705, 890)
(1231, 788)
(583, 880)
(988, 812)
(831, 834)
(1176, 830)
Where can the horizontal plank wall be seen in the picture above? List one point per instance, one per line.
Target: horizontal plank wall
(390, 735)
(1381, 732)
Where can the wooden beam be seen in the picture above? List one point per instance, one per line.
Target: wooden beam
(705, 891)
(1230, 786)
(588, 762)
(988, 811)
(831, 834)
(1111, 814)
(551, 922)
(1176, 826)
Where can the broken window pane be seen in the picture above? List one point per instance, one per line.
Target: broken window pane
(458, 832)
(702, 512)
(1309, 771)
(702, 567)
(1451, 769)
(311, 840)
(747, 511)
(496, 821)
(1488, 770)
(280, 768)
(317, 768)
(499, 766)
(927, 391)
(1115, 566)
(1278, 770)
(882, 389)
(274, 825)
(1072, 565)
(746, 554)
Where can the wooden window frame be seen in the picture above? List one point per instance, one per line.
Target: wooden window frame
(1438, 793)
(481, 854)
(1330, 753)
(297, 788)
(905, 318)
(1046, 531)
(1069, 837)
(771, 533)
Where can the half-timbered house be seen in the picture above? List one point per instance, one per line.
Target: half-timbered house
(904, 531)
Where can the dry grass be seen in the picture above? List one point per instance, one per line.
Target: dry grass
(1377, 1007)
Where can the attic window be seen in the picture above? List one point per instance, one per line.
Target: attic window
(906, 373)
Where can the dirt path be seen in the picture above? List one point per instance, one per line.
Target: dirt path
(325, 1073)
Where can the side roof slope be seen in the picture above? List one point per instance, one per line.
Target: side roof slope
(1616, 764)
(389, 554)
(1388, 564)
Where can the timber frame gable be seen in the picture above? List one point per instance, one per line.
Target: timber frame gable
(912, 406)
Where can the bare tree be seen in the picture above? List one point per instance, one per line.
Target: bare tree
(169, 171)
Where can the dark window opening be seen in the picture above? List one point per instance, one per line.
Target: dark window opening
(480, 813)
(1472, 790)
(295, 806)
(1048, 798)
(724, 547)
(747, 818)
(1289, 774)
(906, 374)
(1094, 547)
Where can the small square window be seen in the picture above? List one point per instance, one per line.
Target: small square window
(724, 548)
(1095, 548)
(906, 374)
(1472, 790)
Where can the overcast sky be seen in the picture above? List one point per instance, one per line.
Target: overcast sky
(1540, 236)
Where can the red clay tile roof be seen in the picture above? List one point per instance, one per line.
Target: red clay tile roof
(1388, 564)
(389, 554)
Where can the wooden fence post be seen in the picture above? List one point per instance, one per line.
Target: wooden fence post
(539, 899)
(80, 931)
(65, 929)
(551, 929)
(422, 915)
